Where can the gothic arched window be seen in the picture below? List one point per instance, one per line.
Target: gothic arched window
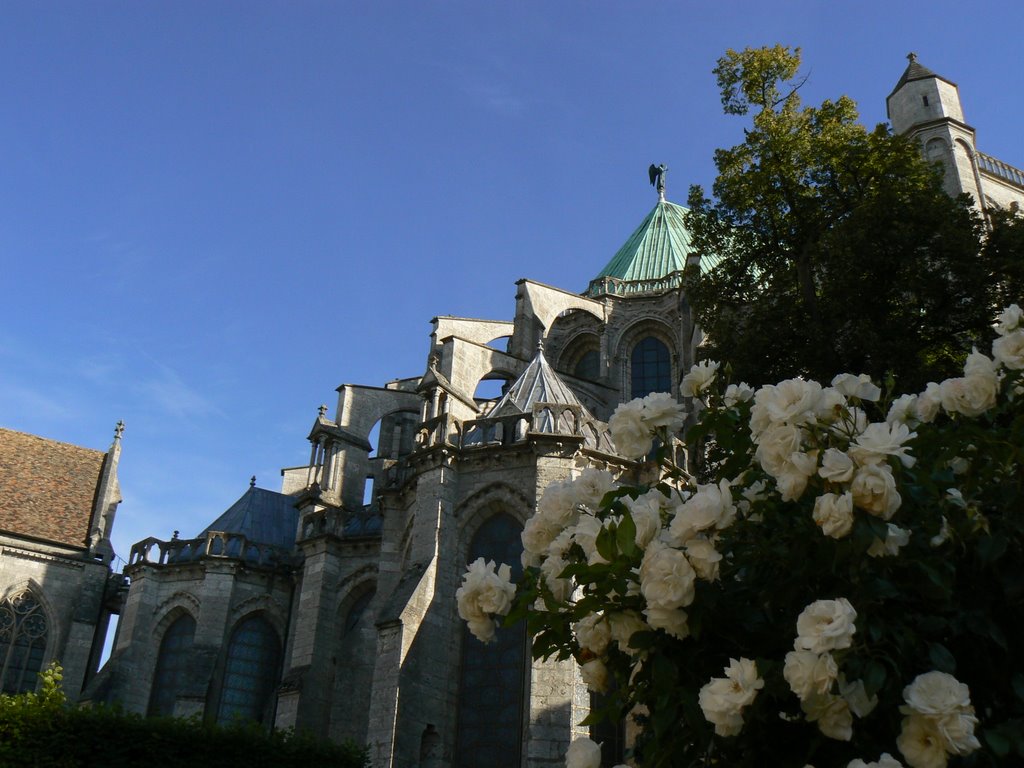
(23, 631)
(650, 368)
(250, 671)
(492, 677)
(172, 665)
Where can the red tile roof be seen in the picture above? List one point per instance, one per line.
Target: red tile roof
(47, 489)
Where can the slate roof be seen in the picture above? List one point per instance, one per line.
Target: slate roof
(262, 516)
(537, 384)
(658, 247)
(915, 71)
(47, 488)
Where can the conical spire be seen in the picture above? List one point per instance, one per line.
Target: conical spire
(537, 384)
(915, 71)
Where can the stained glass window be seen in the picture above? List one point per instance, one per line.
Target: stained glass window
(650, 368)
(492, 677)
(23, 630)
(250, 672)
(172, 665)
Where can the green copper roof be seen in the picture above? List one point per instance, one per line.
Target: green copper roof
(658, 247)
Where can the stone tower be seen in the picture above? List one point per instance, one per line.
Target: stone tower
(927, 107)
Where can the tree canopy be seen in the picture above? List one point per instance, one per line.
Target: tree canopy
(838, 248)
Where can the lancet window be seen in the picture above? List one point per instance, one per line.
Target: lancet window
(23, 633)
(172, 665)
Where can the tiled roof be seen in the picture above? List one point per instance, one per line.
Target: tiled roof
(47, 489)
(261, 516)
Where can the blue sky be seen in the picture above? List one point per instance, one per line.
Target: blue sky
(214, 213)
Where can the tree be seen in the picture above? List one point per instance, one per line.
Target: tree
(839, 250)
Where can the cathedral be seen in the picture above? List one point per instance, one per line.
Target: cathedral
(329, 605)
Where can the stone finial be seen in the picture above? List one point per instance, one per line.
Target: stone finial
(252, 481)
(174, 536)
(322, 410)
(911, 57)
(119, 429)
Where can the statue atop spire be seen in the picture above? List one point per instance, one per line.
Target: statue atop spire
(657, 174)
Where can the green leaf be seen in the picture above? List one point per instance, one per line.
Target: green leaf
(941, 658)
(625, 535)
(606, 544)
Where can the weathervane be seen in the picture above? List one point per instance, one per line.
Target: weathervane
(657, 173)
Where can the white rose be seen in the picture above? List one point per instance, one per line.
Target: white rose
(977, 364)
(874, 490)
(1009, 350)
(793, 401)
(895, 538)
(595, 675)
(593, 633)
(672, 620)
(1008, 320)
(885, 761)
(831, 713)
(831, 405)
(826, 625)
(970, 395)
(710, 507)
(592, 485)
(559, 504)
(723, 699)
(928, 403)
(666, 577)
(794, 474)
(881, 440)
(738, 393)
(662, 410)
(703, 556)
(937, 693)
(921, 744)
(856, 695)
(561, 589)
(860, 386)
(809, 673)
(585, 534)
(623, 625)
(836, 466)
(834, 514)
(538, 533)
(646, 513)
(630, 434)
(484, 592)
(903, 410)
(699, 378)
(583, 753)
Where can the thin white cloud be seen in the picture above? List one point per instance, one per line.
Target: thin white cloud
(170, 393)
(497, 98)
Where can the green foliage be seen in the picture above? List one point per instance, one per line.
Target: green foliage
(43, 731)
(839, 249)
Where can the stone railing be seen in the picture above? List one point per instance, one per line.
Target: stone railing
(618, 287)
(215, 544)
(1002, 170)
(545, 418)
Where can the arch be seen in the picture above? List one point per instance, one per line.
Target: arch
(650, 367)
(173, 664)
(251, 671)
(581, 356)
(393, 434)
(492, 677)
(475, 510)
(25, 637)
(500, 343)
(266, 605)
(492, 385)
(627, 345)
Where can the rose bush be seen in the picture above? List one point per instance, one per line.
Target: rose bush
(853, 559)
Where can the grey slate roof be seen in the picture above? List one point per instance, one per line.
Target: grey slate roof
(915, 71)
(537, 384)
(262, 516)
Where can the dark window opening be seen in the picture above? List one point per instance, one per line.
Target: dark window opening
(925, 100)
(492, 677)
(650, 368)
(589, 366)
(172, 666)
(250, 672)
